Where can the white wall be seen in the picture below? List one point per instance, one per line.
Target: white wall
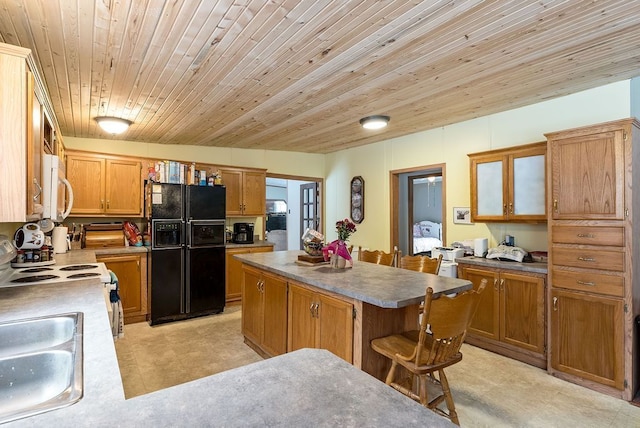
(450, 145)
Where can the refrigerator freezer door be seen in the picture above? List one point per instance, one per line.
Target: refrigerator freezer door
(205, 202)
(166, 201)
(167, 285)
(205, 280)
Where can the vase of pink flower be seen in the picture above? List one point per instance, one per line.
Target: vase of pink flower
(337, 252)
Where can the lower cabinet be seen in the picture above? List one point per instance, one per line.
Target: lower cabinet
(234, 271)
(317, 320)
(510, 318)
(131, 270)
(580, 346)
(264, 311)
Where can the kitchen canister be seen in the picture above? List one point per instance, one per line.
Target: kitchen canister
(59, 239)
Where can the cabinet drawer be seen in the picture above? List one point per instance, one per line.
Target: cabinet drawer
(611, 285)
(588, 235)
(589, 258)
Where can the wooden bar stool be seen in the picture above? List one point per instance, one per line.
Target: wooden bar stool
(379, 257)
(428, 351)
(421, 263)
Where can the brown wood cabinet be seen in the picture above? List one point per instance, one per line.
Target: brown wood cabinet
(264, 312)
(317, 320)
(20, 133)
(591, 258)
(131, 270)
(511, 314)
(105, 185)
(508, 185)
(234, 271)
(246, 191)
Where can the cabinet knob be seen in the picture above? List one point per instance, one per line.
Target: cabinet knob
(511, 208)
(586, 235)
(586, 259)
(555, 303)
(555, 205)
(495, 284)
(591, 284)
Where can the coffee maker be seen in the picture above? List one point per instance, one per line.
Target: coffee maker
(243, 233)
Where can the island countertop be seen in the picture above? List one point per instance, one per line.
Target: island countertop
(306, 387)
(383, 286)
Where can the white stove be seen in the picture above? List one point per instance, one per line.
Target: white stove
(52, 274)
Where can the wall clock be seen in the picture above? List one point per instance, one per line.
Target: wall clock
(357, 199)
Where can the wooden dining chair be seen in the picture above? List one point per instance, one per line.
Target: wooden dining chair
(421, 263)
(379, 257)
(432, 348)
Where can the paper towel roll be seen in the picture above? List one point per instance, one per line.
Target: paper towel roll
(480, 246)
(59, 239)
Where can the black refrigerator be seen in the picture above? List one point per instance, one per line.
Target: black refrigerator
(187, 251)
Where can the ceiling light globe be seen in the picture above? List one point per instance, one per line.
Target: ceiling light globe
(113, 125)
(374, 122)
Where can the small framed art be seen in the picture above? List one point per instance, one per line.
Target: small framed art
(462, 215)
(357, 199)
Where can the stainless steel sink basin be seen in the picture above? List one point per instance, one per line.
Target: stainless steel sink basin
(40, 365)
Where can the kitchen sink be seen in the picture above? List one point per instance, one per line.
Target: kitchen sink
(40, 365)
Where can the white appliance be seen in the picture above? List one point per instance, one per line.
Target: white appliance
(480, 247)
(57, 194)
(448, 254)
(448, 269)
(51, 274)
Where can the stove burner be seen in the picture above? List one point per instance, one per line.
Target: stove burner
(36, 270)
(78, 267)
(84, 275)
(35, 278)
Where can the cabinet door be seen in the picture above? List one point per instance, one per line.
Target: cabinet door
(253, 193)
(488, 188)
(527, 185)
(588, 176)
(87, 177)
(301, 325)
(335, 327)
(587, 337)
(233, 182)
(123, 190)
(34, 153)
(252, 306)
(274, 339)
(128, 269)
(486, 321)
(522, 311)
(234, 274)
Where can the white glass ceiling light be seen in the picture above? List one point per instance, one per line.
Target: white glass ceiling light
(113, 125)
(374, 122)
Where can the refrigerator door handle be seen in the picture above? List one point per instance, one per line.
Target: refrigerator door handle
(185, 303)
(188, 234)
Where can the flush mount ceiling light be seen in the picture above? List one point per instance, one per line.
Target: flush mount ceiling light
(374, 122)
(113, 125)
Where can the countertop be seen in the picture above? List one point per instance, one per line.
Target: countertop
(302, 388)
(256, 243)
(535, 267)
(383, 286)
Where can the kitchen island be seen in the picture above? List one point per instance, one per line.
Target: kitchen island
(308, 387)
(341, 310)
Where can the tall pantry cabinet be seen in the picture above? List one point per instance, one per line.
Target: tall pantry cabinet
(593, 256)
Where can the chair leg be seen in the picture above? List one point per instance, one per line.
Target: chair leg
(448, 398)
(423, 393)
(391, 374)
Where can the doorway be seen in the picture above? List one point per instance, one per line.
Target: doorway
(418, 218)
(300, 206)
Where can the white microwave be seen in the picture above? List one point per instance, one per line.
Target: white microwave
(57, 194)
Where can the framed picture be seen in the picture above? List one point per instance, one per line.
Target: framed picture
(357, 199)
(462, 215)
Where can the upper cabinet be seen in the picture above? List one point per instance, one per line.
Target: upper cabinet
(105, 185)
(23, 114)
(246, 191)
(587, 173)
(508, 185)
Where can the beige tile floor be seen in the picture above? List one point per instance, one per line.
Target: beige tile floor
(489, 390)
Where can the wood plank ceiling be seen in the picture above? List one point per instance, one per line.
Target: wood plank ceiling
(298, 74)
